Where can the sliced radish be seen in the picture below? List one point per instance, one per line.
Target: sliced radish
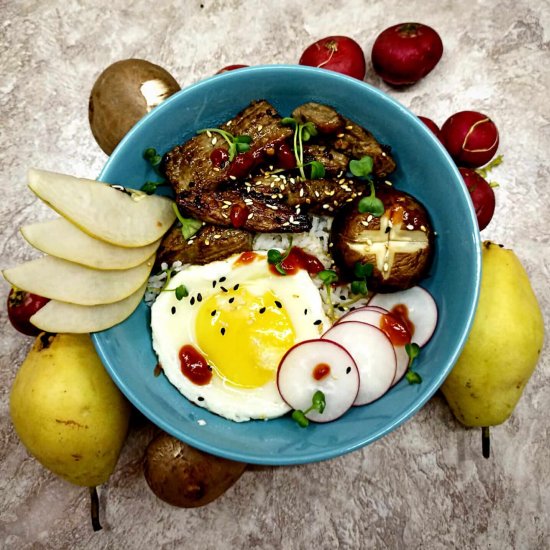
(391, 326)
(315, 365)
(415, 306)
(373, 353)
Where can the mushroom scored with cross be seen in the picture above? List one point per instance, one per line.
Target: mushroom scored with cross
(398, 244)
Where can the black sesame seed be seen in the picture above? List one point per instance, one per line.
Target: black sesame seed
(262, 310)
(222, 279)
(348, 370)
(388, 229)
(192, 301)
(213, 312)
(236, 287)
(305, 311)
(199, 297)
(342, 297)
(214, 284)
(318, 322)
(173, 310)
(342, 309)
(200, 398)
(232, 299)
(222, 331)
(209, 367)
(278, 304)
(223, 289)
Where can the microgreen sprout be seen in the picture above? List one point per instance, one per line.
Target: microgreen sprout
(318, 404)
(361, 272)
(328, 277)
(237, 144)
(150, 155)
(276, 257)
(304, 132)
(413, 350)
(180, 291)
(362, 168)
(484, 171)
(189, 226)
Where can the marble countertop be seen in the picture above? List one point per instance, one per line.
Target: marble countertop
(425, 485)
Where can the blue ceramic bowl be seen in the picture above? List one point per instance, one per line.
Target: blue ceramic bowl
(425, 170)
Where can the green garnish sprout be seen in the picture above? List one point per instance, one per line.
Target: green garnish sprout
(154, 159)
(189, 226)
(276, 258)
(237, 144)
(361, 272)
(318, 404)
(328, 277)
(413, 350)
(362, 168)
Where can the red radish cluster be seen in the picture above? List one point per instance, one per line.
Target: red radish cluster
(405, 53)
(471, 138)
(336, 53)
(22, 306)
(359, 358)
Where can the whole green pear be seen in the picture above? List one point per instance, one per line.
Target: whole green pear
(67, 411)
(503, 347)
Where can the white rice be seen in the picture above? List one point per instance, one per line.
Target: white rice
(315, 242)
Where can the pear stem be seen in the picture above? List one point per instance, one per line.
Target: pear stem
(486, 442)
(95, 509)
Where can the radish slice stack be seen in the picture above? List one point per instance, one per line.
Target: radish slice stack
(361, 357)
(318, 365)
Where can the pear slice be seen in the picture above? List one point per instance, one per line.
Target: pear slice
(69, 282)
(124, 217)
(61, 317)
(62, 239)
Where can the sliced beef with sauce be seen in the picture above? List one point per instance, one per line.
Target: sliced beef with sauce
(189, 166)
(320, 196)
(326, 119)
(335, 163)
(209, 244)
(251, 211)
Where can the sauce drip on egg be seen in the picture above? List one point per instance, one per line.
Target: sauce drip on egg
(244, 335)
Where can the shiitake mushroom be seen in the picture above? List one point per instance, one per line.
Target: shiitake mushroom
(122, 94)
(399, 244)
(186, 477)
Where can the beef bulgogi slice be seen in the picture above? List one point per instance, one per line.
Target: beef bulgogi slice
(357, 142)
(209, 244)
(319, 196)
(335, 163)
(250, 211)
(325, 118)
(189, 167)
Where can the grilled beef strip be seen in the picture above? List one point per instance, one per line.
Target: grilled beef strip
(345, 136)
(335, 163)
(258, 212)
(209, 244)
(321, 196)
(189, 167)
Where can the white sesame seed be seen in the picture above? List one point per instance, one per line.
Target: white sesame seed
(249, 217)
(386, 266)
(340, 135)
(214, 140)
(217, 236)
(227, 202)
(232, 178)
(363, 222)
(272, 206)
(325, 206)
(271, 166)
(260, 127)
(286, 224)
(298, 210)
(301, 192)
(369, 218)
(207, 242)
(423, 228)
(292, 180)
(229, 122)
(349, 127)
(317, 194)
(410, 226)
(209, 133)
(216, 169)
(388, 182)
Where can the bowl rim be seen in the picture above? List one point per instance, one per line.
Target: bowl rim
(410, 411)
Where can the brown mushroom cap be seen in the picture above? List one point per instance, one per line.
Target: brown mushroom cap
(122, 94)
(399, 244)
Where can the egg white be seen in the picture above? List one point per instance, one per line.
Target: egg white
(173, 326)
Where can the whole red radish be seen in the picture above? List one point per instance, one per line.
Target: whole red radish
(22, 306)
(405, 53)
(336, 53)
(231, 68)
(471, 138)
(431, 125)
(482, 195)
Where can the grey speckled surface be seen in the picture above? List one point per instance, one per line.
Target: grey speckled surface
(425, 485)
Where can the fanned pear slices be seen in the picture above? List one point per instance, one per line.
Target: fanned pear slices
(69, 282)
(119, 216)
(62, 239)
(71, 318)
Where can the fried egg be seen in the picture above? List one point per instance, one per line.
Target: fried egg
(221, 344)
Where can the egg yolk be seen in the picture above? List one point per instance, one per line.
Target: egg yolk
(244, 335)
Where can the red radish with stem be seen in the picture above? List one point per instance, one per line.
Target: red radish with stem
(405, 53)
(22, 306)
(415, 307)
(431, 125)
(471, 138)
(336, 53)
(482, 195)
(373, 354)
(318, 365)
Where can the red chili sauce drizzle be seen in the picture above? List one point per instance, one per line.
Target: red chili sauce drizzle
(194, 366)
(299, 259)
(246, 257)
(321, 371)
(397, 325)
